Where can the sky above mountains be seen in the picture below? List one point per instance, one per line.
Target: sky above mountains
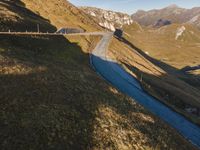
(131, 6)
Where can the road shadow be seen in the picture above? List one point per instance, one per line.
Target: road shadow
(175, 87)
(16, 2)
(167, 68)
(193, 80)
(190, 68)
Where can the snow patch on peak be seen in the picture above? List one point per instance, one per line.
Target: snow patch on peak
(179, 32)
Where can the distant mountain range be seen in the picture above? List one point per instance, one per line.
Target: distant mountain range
(154, 18)
(172, 13)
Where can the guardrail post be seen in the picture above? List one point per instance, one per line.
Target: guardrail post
(38, 28)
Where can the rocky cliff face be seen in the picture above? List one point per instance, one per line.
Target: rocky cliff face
(172, 13)
(108, 19)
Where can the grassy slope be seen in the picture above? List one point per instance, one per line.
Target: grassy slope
(161, 44)
(50, 16)
(168, 83)
(50, 92)
(14, 17)
(176, 54)
(166, 87)
(51, 98)
(62, 14)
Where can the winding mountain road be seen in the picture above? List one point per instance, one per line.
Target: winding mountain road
(111, 71)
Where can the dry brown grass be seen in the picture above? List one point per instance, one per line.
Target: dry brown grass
(159, 83)
(51, 98)
(15, 17)
(25, 15)
(52, 94)
(161, 44)
(160, 47)
(62, 14)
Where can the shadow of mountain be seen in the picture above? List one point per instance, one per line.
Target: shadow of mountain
(17, 2)
(41, 96)
(24, 19)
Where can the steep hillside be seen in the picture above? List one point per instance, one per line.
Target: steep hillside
(177, 45)
(15, 17)
(108, 19)
(26, 15)
(172, 48)
(61, 13)
(131, 29)
(172, 13)
(51, 98)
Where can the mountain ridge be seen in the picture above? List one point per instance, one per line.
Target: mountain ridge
(107, 18)
(173, 13)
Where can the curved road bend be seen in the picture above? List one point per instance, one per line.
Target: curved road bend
(118, 77)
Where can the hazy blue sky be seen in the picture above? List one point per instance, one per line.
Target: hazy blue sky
(130, 6)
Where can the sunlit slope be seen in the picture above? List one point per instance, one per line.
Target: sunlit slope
(61, 13)
(28, 15)
(14, 16)
(170, 49)
(167, 45)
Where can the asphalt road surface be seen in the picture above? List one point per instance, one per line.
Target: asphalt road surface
(111, 71)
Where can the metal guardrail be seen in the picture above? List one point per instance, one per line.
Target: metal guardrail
(46, 33)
